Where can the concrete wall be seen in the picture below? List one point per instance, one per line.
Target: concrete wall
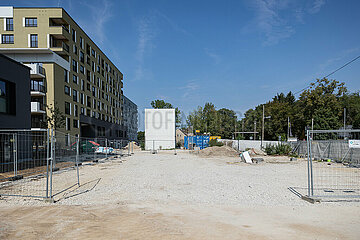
(159, 129)
(14, 72)
(242, 145)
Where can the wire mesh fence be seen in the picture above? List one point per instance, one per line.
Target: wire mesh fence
(31, 162)
(333, 164)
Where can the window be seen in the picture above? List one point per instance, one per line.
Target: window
(75, 123)
(88, 86)
(75, 49)
(82, 111)
(81, 43)
(67, 90)
(73, 34)
(82, 69)
(68, 124)
(74, 65)
(9, 24)
(81, 57)
(30, 22)
(88, 103)
(67, 108)
(75, 95)
(82, 85)
(34, 40)
(93, 53)
(82, 98)
(66, 76)
(93, 66)
(76, 110)
(75, 79)
(88, 77)
(7, 39)
(7, 98)
(88, 49)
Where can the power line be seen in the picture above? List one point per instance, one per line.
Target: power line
(353, 60)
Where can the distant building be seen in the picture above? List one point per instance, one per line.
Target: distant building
(179, 136)
(130, 116)
(14, 94)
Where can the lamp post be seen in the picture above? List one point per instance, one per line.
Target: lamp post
(263, 127)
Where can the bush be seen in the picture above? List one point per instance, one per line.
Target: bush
(214, 142)
(279, 149)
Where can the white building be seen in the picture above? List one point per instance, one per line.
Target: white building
(159, 129)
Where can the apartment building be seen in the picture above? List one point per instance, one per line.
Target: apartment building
(130, 114)
(68, 70)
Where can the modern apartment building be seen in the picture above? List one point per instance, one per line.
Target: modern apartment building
(68, 70)
(130, 114)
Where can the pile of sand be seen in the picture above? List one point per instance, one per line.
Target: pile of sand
(256, 152)
(133, 146)
(223, 151)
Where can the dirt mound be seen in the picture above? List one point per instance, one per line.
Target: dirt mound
(133, 146)
(223, 151)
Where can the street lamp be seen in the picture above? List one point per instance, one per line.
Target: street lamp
(263, 127)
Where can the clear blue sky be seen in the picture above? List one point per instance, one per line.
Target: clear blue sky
(235, 54)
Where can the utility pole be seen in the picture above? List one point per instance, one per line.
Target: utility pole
(263, 120)
(344, 122)
(312, 127)
(254, 130)
(288, 129)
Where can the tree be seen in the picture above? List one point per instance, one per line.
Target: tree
(54, 118)
(352, 104)
(141, 136)
(161, 104)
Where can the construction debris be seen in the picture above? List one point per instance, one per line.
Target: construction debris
(133, 147)
(255, 151)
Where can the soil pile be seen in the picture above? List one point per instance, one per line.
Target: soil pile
(133, 146)
(223, 151)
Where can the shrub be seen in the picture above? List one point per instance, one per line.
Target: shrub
(214, 142)
(279, 149)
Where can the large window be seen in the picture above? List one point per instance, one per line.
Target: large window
(34, 40)
(75, 95)
(66, 78)
(7, 97)
(67, 90)
(9, 24)
(67, 108)
(74, 66)
(75, 79)
(30, 22)
(7, 39)
(73, 33)
(81, 57)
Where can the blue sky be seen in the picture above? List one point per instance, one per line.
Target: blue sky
(235, 54)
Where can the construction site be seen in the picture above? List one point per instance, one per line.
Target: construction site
(220, 192)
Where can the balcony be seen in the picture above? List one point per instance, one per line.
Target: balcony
(37, 88)
(37, 71)
(37, 107)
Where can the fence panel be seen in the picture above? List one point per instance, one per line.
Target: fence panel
(333, 164)
(24, 163)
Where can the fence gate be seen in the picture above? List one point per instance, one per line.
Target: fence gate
(333, 164)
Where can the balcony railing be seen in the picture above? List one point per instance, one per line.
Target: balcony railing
(36, 86)
(36, 69)
(37, 107)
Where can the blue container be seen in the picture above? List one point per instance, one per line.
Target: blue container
(201, 141)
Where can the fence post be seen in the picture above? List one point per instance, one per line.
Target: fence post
(47, 162)
(106, 148)
(311, 168)
(128, 148)
(308, 161)
(51, 161)
(238, 145)
(77, 139)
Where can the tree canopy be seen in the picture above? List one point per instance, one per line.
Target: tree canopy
(161, 104)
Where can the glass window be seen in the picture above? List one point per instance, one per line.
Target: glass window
(67, 90)
(75, 123)
(75, 95)
(9, 24)
(76, 110)
(34, 40)
(81, 57)
(74, 65)
(7, 98)
(67, 108)
(81, 42)
(66, 76)
(68, 124)
(30, 22)
(75, 50)
(7, 38)
(73, 33)
(75, 79)
(82, 69)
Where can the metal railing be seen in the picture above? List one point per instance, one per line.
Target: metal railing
(36, 86)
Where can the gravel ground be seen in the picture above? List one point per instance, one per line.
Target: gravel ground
(181, 196)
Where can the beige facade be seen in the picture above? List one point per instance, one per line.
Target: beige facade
(75, 74)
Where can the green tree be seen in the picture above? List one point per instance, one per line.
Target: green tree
(141, 136)
(161, 104)
(54, 118)
(352, 104)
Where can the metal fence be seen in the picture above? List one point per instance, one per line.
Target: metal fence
(333, 164)
(30, 161)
